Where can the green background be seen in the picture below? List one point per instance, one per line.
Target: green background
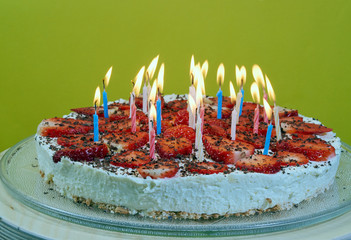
(54, 53)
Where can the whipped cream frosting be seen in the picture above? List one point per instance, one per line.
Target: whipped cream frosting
(230, 193)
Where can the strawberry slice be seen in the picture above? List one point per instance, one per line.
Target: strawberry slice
(314, 149)
(82, 152)
(70, 140)
(303, 127)
(125, 140)
(210, 129)
(207, 167)
(139, 102)
(211, 112)
(90, 111)
(291, 119)
(180, 131)
(224, 150)
(223, 123)
(173, 147)
(55, 127)
(118, 126)
(284, 113)
(177, 105)
(259, 163)
(121, 106)
(256, 140)
(130, 159)
(182, 117)
(226, 102)
(161, 169)
(291, 159)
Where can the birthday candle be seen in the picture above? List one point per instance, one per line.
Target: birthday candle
(270, 127)
(219, 105)
(242, 101)
(240, 74)
(145, 97)
(255, 92)
(158, 105)
(233, 125)
(276, 109)
(268, 139)
(220, 80)
(95, 116)
(105, 82)
(192, 109)
(152, 131)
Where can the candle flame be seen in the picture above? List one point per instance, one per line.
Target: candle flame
(201, 84)
(197, 74)
(192, 103)
(240, 74)
(97, 97)
(258, 75)
(152, 67)
(107, 77)
(268, 109)
(153, 92)
(220, 74)
(192, 66)
(255, 92)
(270, 90)
(138, 81)
(232, 92)
(199, 95)
(204, 69)
(160, 78)
(153, 112)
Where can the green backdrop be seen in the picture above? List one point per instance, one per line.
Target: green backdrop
(54, 53)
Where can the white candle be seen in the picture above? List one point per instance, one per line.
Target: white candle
(277, 123)
(145, 97)
(192, 92)
(233, 126)
(238, 103)
(198, 140)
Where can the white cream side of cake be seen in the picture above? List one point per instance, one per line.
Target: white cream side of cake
(237, 192)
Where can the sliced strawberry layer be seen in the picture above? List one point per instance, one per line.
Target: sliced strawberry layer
(160, 169)
(124, 125)
(180, 131)
(303, 127)
(256, 140)
(259, 163)
(90, 111)
(223, 123)
(291, 159)
(211, 112)
(82, 152)
(124, 114)
(121, 106)
(70, 140)
(126, 140)
(139, 102)
(56, 127)
(182, 117)
(224, 150)
(284, 113)
(313, 148)
(210, 129)
(226, 102)
(130, 159)
(176, 105)
(291, 119)
(173, 147)
(207, 167)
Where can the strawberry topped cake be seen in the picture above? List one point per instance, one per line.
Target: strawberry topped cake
(117, 173)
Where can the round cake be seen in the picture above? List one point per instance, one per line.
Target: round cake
(117, 173)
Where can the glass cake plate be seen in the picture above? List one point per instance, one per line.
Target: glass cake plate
(20, 174)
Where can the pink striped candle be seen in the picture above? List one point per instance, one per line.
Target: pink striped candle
(256, 119)
(152, 141)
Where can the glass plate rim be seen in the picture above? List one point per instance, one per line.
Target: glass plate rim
(149, 229)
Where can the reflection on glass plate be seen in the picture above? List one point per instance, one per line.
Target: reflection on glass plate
(20, 174)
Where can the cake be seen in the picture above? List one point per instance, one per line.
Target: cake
(234, 178)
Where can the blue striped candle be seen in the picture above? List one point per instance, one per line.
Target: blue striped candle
(268, 139)
(104, 97)
(241, 103)
(158, 111)
(96, 127)
(219, 105)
